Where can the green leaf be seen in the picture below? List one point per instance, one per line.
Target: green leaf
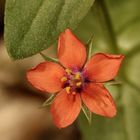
(116, 29)
(113, 82)
(87, 114)
(89, 47)
(49, 101)
(33, 25)
(48, 58)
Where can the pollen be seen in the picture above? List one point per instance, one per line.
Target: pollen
(78, 84)
(64, 79)
(68, 89)
(77, 76)
(68, 71)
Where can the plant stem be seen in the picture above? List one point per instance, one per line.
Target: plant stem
(105, 21)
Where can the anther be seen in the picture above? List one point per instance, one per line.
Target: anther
(64, 79)
(77, 76)
(68, 89)
(68, 71)
(78, 84)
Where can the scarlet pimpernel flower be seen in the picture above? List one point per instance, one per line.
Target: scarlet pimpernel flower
(76, 81)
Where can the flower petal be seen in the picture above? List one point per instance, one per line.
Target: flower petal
(65, 109)
(46, 76)
(103, 67)
(71, 52)
(98, 100)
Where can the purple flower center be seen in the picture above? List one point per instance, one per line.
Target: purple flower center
(74, 81)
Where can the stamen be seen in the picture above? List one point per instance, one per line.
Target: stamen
(78, 84)
(77, 76)
(64, 79)
(68, 71)
(68, 89)
(73, 92)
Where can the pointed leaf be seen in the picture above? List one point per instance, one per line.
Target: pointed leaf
(90, 46)
(48, 101)
(87, 114)
(48, 58)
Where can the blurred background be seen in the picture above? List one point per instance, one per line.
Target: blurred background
(116, 29)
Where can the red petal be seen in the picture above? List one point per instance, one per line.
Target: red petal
(65, 109)
(103, 67)
(46, 77)
(71, 52)
(98, 100)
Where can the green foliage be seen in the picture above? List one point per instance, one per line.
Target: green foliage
(33, 25)
(116, 28)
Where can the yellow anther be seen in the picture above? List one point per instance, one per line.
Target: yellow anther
(68, 71)
(64, 79)
(78, 84)
(73, 92)
(77, 76)
(68, 89)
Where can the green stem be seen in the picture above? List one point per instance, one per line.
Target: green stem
(105, 21)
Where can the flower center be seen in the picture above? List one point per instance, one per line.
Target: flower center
(73, 81)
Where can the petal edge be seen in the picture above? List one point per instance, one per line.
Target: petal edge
(103, 67)
(71, 52)
(98, 100)
(65, 109)
(46, 77)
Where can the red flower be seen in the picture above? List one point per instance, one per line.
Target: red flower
(76, 81)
